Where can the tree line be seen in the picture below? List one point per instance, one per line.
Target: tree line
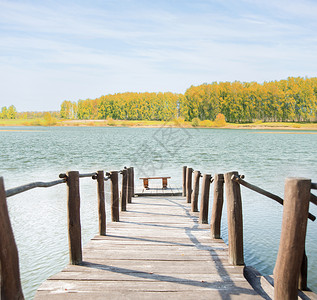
(11, 113)
(125, 106)
(293, 99)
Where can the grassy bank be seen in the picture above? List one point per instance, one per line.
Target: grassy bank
(145, 123)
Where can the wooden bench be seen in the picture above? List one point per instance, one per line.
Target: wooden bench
(146, 181)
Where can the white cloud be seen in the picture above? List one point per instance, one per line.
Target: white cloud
(73, 51)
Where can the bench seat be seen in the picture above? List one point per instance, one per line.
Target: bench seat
(146, 181)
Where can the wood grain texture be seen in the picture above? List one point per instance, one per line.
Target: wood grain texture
(216, 213)
(9, 259)
(129, 186)
(184, 181)
(101, 202)
(74, 226)
(235, 223)
(189, 173)
(292, 242)
(132, 181)
(123, 195)
(204, 202)
(158, 249)
(114, 201)
(195, 192)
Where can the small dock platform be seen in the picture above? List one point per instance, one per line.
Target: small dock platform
(158, 250)
(157, 190)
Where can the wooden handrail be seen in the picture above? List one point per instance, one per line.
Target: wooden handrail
(29, 186)
(9, 264)
(268, 194)
(87, 175)
(313, 199)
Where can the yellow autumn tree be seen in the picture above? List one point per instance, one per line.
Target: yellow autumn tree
(220, 121)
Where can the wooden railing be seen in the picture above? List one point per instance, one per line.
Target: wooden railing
(290, 272)
(9, 260)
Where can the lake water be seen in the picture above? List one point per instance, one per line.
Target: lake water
(38, 216)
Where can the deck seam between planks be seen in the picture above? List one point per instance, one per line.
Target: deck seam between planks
(152, 228)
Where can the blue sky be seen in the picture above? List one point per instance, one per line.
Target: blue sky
(52, 51)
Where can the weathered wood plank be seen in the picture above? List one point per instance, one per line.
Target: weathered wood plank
(133, 286)
(148, 295)
(157, 247)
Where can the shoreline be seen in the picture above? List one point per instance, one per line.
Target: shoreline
(156, 124)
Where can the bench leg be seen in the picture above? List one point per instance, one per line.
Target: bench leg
(146, 183)
(164, 183)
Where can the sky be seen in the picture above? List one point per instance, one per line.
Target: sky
(51, 51)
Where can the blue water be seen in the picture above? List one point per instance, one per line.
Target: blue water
(38, 216)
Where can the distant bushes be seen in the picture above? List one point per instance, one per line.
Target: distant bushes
(195, 122)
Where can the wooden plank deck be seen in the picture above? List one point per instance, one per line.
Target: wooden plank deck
(157, 250)
(157, 190)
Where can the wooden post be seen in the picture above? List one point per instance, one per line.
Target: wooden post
(101, 202)
(195, 192)
(215, 222)
(204, 200)
(124, 190)
(302, 281)
(189, 173)
(235, 223)
(292, 242)
(184, 181)
(114, 196)
(74, 227)
(132, 182)
(129, 184)
(9, 258)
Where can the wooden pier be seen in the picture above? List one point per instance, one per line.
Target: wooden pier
(161, 246)
(157, 250)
